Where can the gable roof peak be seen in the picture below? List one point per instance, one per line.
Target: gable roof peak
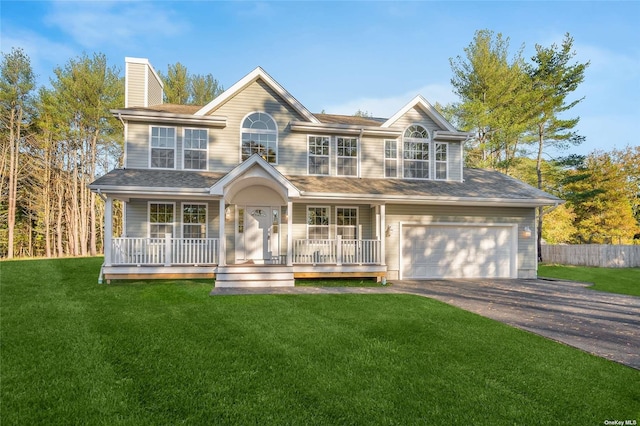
(420, 102)
(258, 73)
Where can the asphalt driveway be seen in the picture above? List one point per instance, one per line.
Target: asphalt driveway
(604, 324)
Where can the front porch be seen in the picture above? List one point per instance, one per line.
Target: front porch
(191, 258)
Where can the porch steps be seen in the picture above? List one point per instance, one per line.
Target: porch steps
(255, 276)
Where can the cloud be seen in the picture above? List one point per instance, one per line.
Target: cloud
(94, 24)
(387, 106)
(43, 52)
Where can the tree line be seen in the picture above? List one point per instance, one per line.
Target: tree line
(58, 139)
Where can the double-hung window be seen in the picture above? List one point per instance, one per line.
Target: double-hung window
(416, 153)
(391, 158)
(347, 156)
(160, 219)
(317, 223)
(163, 147)
(194, 220)
(195, 149)
(260, 136)
(441, 160)
(318, 148)
(347, 222)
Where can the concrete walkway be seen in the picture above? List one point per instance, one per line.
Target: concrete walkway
(604, 324)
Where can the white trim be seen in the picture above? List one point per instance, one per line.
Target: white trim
(384, 158)
(429, 143)
(357, 156)
(175, 147)
(206, 218)
(513, 261)
(219, 187)
(169, 117)
(173, 224)
(342, 129)
(306, 217)
(259, 132)
(328, 155)
(357, 226)
(258, 73)
(436, 161)
(421, 102)
(184, 130)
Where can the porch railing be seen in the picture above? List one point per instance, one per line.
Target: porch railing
(336, 252)
(164, 251)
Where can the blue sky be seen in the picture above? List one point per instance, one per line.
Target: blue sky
(344, 56)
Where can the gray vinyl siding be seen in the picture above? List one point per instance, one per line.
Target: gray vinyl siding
(135, 79)
(137, 217)
(137, 140)
(454, 161)
(397, 213)
(155, 89)
(224, 152)
(416, 116)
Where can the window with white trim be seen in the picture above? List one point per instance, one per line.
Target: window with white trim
(160, 219)
(318, 149)
(317, 222)
(441, 160)
(347, 156)
(163, 147)
(415, 162)
(347, 222)
(194, 148)
(194, 221)
(391, 158)
(260, 136)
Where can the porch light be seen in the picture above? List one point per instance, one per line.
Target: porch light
(526, 232)
(389, 230)
(227, 213)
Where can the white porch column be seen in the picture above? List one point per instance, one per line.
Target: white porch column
(289, 233)
(108, 231)
(222, 242)
(383, 234)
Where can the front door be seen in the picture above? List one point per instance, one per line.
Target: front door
(257, 233)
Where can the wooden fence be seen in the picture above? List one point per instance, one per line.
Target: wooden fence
(602, 255)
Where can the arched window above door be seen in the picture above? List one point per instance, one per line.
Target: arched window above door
(260, 136)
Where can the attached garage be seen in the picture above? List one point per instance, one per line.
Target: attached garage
(458, 251)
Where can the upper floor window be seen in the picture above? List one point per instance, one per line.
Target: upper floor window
(163, 147)
(318, 155)
(160, 219)
(416, 152)
(195, 149)
(441, 160)
(194, 221)
(391, 158)
(347, 156)
(260, 136)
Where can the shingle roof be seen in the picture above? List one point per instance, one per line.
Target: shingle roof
(171, 108)
(350, 119)
(478, 184)
(144, 178)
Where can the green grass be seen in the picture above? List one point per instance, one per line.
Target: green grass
(75, 352)
(612, 280)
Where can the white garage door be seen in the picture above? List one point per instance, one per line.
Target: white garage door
(454, 251)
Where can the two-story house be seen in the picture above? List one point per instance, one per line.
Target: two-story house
(254, 190)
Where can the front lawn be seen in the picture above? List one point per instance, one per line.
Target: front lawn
(75, 352)
(612, 280)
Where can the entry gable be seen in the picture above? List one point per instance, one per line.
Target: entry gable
(254, 171)
(421, 103)
(253, 76)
